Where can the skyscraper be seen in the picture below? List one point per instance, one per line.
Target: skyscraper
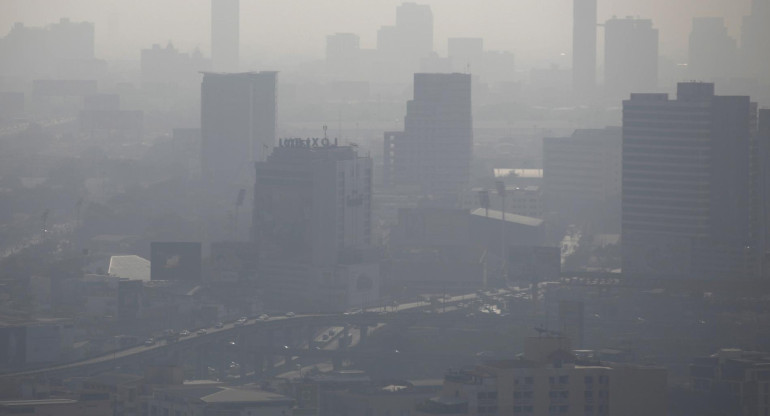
(754, 48)
(312, 221)
(690, 173)
(630, 56)
(435, 149)
(412, 36)
(225, 35)
(712, 52)
(583, 46)
(237, 122)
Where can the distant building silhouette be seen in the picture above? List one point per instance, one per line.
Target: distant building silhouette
(712, 52)
(583, 46)
(237, 122)
(581, 174)
(754, 35)
(435, 149)
(168, 66)
(225, 35)
(466, 54)
(312, 225)
(410, 39)
(39, 51)
(630, 56)
(690, 172)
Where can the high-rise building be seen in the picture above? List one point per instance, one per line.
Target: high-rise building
(412, 36)
(435, 149)
(690, 180)
(312, 225)
(237, 122)
(466, 54)
(712, 52)
(583, 46)
(225, 35)
(40, 51)
(754, 48)
(581, 174)
(630, 56)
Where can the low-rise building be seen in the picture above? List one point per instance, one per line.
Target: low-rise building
(550, 380)
(735, 379)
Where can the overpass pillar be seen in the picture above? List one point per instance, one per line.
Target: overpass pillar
(201, 369)
(337, 363)
(364, 333)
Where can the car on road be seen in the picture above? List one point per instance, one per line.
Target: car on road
(264, 317)
(201, 331)
(219, 325)
(149, 341)
(290, 314)
(184, 332)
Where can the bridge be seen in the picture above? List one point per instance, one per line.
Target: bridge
(258, 341)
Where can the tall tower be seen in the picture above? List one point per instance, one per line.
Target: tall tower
(690, 173)
(237, 122)
(583, 46)
(435, 149)
(630, 56)
(225, 35)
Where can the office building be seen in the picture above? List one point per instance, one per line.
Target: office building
(581, 173)
(237, 122)
(225, 35)
(690, 173)
(466, 54)
(712, 52)
(548, 379)
(312, 225)
(583, 46)
(736, 381)
(630, 56)
(754, 34)
(40, 51)
(763, 142)
(168, 66)
(434, 151)
(410, 39)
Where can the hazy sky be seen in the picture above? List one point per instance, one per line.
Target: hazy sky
(535, 30)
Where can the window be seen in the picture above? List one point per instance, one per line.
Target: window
(481, 395)
(529, 380)
(492, 395)
(517, 395)
(588, 395)
(527, 394)
(564, 380)
(589, 379)
(589, 408)
(551, 380)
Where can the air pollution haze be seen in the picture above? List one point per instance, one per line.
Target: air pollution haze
(385, 207)
(539, 30)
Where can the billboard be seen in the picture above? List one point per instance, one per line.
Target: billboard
(175, 261)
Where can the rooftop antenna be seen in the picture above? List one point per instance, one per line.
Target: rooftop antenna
(325, 128)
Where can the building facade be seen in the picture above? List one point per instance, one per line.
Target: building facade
(690, 205)
(312, 222)
(583, 46)
(237, 122)
(630, 56)
(225, 34)
(434, 151)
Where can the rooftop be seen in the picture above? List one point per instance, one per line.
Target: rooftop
(130, 267)
(512, 218)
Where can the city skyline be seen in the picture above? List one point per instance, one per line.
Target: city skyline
(538, 32)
